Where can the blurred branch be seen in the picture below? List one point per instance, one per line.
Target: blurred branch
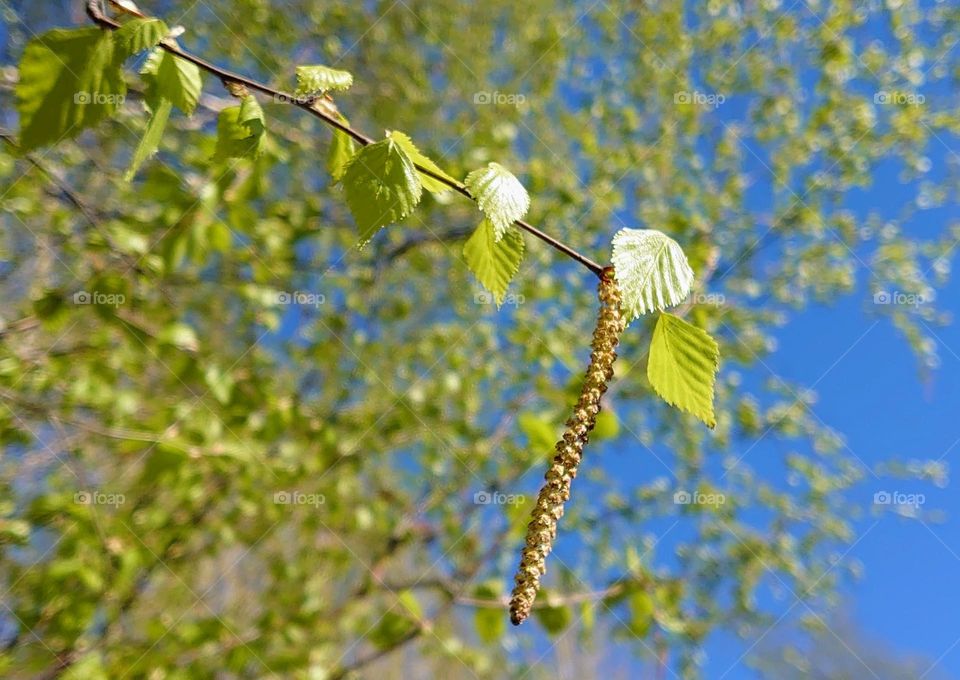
(72, 196)
(423, 239)
(27, 323)
(65, 189)
(318, 108)
(453, 592)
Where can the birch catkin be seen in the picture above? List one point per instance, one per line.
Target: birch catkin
(542, 529)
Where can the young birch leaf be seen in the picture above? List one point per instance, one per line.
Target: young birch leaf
(170, 81)
(494, 262)
(240, 130)
(137, 35)
(382, 186)
(69, 80)
(652, 271)
(429, 183)
(172, 78)
(682, 366)
(342, 149)
(499, 194)
(150, 141)
(314, 80)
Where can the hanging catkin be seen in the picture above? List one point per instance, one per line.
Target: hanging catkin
(542, 529)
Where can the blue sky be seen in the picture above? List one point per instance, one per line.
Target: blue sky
(907, 595)
(906, 599)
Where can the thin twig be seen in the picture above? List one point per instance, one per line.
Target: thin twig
(454, 234)
(96, 14)
(451, 590)
(65, 189)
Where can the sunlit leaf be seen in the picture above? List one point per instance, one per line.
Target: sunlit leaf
(651, 269)
(173, 78)
(150, 141)
(682, 366)
(342, 150)
(69, 81)
(138, 35)
(312, 80)
(382, 187)
(500, 196)
(494, 262)
(240, 130)
(429, 183)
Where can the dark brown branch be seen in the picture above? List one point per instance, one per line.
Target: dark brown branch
(96, 14)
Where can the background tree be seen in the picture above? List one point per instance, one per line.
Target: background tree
(824, 655)
(200, 477)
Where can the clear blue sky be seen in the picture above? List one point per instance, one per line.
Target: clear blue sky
(907, 598)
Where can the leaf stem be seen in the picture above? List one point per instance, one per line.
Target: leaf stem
(96, 14)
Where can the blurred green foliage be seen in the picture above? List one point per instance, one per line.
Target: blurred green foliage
(237, 445)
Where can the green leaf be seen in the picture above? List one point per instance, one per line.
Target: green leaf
(150, 141)
(88, 667)
(607, 426)
(313, 80)
(220, 383)
(410, 602)
(382, 187)
(652, 271)
(240, 130)
(642, 612)
(490, 622)
(173, 78)
(682, 366)
(342, 150)
(180, 335)
(69, 81)
(494, 262)
(500, 196)
(429, 183)
(392, 628)
(137, 35)
(540, 430)
(553, 619)
(171, 81)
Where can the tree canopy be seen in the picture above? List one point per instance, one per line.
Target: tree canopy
(278, 401)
